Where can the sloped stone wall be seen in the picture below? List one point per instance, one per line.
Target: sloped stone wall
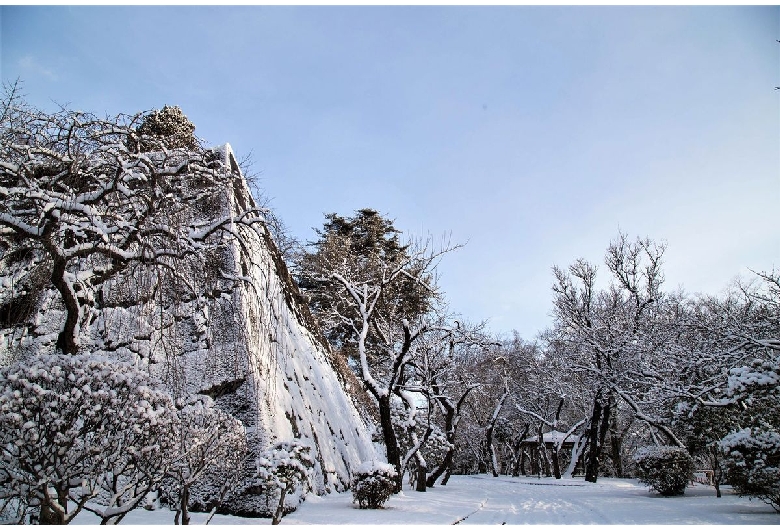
(251, 344)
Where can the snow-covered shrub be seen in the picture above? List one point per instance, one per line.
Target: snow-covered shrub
(666, 469)
(80, 432)
(761, 377)
(372, 484)
(752, 454)
(212, 448)
(284, 469)
(752, 460)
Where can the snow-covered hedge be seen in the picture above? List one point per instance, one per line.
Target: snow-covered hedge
(372, 484)
(89, 433)
(80, 432)
(752, 460)
(666, 469)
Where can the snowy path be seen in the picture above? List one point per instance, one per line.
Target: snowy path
(483, 499)
(506, 500)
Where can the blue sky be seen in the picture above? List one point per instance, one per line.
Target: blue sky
(532, 133)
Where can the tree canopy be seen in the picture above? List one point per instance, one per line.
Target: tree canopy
(368, 246)
(77, 206)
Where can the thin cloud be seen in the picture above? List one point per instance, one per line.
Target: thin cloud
(30, 64)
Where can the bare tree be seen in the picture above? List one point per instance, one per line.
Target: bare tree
(490, 428)
(438, 373)
(611, 331)
(448, 382)
(84, 198)
(211, 450)
(375, 310)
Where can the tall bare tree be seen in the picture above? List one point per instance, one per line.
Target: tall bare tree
(610, 333)
(83, 198)
(370, 294)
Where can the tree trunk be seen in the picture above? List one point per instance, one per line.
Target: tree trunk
(519, 453)
(576, 452)
(185, 499)
(616, 442)
(592, 463)
(598, 433)
(391, 442)
(422, 473)
(491, 451)
(280, 508)
(556, 463)
(716, 482)
(556, 447)
(441, 468)
(542, 449)
(50, 516)
(489, 430)
(47, 514)
(717, 474)
(66, 340)
(451, 421)
(605, 419)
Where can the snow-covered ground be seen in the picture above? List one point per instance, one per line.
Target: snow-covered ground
(483, 499)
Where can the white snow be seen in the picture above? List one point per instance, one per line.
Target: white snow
(369, 466)
(482, 499)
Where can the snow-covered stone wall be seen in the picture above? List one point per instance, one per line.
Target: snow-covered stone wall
(291, 384)
(248, 341)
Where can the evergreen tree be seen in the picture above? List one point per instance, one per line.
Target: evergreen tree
(370, 245)
(167, 128)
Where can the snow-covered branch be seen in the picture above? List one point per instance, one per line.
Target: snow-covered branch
(84, 190)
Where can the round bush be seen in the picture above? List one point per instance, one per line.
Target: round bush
(85, 428)
(752, 462)
(666, 469)
(372, 484)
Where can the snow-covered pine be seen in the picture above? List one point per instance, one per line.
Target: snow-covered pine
(761, 377)
(752, 455)
(752, 460)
